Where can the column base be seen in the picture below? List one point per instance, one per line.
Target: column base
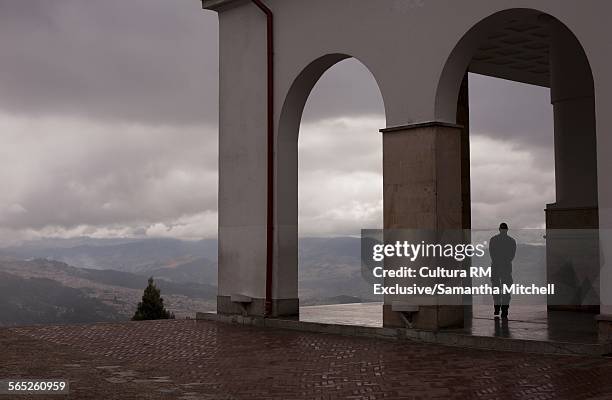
(256, 307)
(604, 327)
(430, 318)
(576, 308)
(572, 257)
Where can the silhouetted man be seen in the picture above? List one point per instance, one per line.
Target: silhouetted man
(502, 249)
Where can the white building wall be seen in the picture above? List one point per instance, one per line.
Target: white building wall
(405, 44)
(242, 153)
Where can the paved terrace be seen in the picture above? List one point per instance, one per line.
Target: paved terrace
(206, 360)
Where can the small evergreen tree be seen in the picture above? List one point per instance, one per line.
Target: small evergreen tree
(152, 305)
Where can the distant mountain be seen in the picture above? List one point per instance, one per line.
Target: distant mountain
(329, 271)
(129, 255)
(53, 243)
(63, 272)
(200, 270)
(329, 249)
(25, 301)
(328, 267)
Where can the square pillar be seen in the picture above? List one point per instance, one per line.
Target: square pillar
(572, 222)
(422, 181)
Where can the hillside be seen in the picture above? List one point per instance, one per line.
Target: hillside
(329, 272)
(201, 270)
(118, 291)
(129, 255)
(25, 301)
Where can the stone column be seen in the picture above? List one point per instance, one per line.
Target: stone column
(422, 190)
(572, 96)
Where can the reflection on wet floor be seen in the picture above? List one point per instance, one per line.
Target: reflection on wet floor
(525, 322)
(359, 314)
(533, 322)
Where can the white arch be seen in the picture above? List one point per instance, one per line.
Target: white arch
(462, 54)
(286, 236)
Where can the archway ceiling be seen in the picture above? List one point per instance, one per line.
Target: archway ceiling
(518, 51)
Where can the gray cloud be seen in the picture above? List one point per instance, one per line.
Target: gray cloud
(153, 61)
(511, 111)
(346, 89)
(108, 115)
(71, 172)
(340, 175)
(341, 165)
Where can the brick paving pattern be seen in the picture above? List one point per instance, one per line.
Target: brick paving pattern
(206, 360)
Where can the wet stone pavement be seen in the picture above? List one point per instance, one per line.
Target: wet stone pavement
(184, 359)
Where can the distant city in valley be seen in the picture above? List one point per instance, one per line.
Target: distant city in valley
(99, 280)
(56, 281)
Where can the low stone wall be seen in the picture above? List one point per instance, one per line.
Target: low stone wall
(439, 337)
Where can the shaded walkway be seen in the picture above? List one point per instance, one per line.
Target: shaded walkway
(525, 322)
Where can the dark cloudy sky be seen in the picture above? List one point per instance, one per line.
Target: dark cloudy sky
(108, 123)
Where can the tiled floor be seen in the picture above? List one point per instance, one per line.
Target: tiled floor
(205, 360)
(525, 322)
(535, 323)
